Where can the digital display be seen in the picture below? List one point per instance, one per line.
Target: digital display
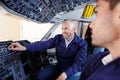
(32, 4)
(26, 0)
(10, 78)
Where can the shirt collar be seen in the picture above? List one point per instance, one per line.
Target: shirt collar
(68, 42)
(107, 59)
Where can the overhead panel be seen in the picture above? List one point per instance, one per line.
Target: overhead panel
(40, 10)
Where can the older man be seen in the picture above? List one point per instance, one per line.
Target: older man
(71, 53)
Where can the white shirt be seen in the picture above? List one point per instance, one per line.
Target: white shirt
(107, 59)
(67, 42)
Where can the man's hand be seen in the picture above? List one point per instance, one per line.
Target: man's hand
(63, 76)
(16, 47)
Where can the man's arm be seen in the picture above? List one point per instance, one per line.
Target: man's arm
(42, 45)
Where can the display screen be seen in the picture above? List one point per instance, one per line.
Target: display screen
(10, 78)
(26, 0)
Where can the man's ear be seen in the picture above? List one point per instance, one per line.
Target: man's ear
(75, 29)
(117, 13)
(117, 16)
(118, 9)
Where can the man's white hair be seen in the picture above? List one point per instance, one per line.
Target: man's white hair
(72, 23)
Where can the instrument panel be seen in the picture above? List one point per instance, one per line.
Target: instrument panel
(12, 65)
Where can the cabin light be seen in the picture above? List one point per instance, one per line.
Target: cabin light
(88, 11)
(40, 9)
(61, 13)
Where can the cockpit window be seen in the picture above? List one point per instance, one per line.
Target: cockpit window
(33, 31)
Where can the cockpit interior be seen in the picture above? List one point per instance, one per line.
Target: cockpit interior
(17, 65)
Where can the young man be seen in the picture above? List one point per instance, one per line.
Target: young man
(71, 53)
(105, 33)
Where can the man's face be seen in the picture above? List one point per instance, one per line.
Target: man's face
(67, 31)
(104, 28)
